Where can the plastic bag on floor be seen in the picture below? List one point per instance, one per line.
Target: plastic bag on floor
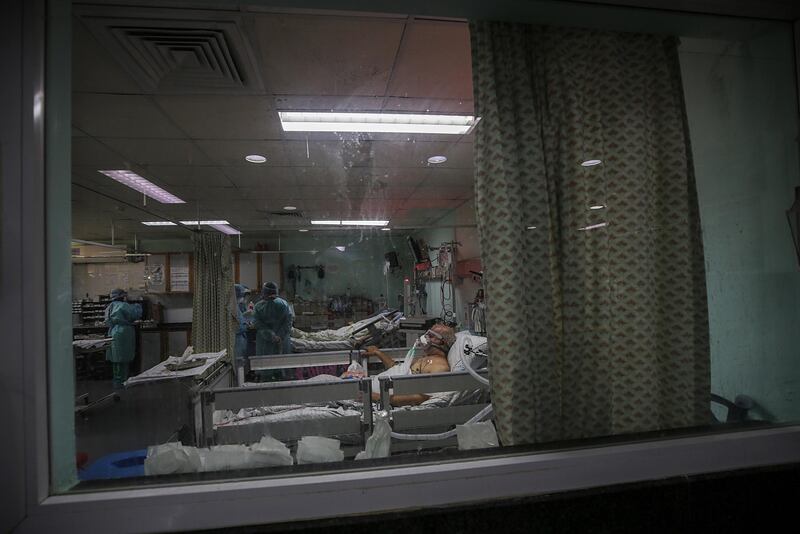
(476, 436)
(380, 442)
(225, 457)
(269, 451)
(316, 449)
(171, 458)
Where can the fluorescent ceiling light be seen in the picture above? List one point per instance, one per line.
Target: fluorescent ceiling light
(290, 208)
(207, 223)
(596, 207)
(225, 229)
(255, 158)
(309, 121)
(340, 248)
(158, 223)
(134, 181)
(531, 228)
(365, 223)
(385, 229)
(303, 230)
(437, 159)
(593, 226)
(591, 162)
(334, 223)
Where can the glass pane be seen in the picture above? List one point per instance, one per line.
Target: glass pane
(272, 211)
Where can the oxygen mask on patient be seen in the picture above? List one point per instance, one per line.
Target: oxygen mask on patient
(431, 339)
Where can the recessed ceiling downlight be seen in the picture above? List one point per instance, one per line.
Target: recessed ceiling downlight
(437, 159)
(303, 230)
(255, 158)
(290, 208)
(591, 162)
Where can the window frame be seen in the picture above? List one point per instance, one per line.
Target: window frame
(272, 500)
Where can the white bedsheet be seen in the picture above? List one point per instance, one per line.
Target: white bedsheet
(160, 372)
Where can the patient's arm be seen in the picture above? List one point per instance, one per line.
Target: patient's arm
(372, 350)
(436, 365)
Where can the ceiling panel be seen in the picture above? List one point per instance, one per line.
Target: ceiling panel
(261, 176)
(158, 151)
(93, 69)
(442, 193)
(104, 115)
(232, 153)
(189, 175)
(317, 55)
(223, 117)
(444, 177)
(434, 62)
(87, 151)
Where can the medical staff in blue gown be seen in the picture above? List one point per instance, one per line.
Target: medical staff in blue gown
(119, 317)
(242, 316)
(273, 322)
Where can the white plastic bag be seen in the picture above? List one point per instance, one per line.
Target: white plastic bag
(171, 458)
(225, 457)
(476, 436)
(269, 451)
(380, 442)
(316, 449)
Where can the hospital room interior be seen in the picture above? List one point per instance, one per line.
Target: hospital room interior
(308, 239)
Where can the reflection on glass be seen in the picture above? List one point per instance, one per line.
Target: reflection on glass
(324, 293)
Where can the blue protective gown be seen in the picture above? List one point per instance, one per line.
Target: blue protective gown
(240, 346)
(273, 316)
(119, 318)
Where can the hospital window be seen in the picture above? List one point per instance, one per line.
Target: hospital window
(303, 239)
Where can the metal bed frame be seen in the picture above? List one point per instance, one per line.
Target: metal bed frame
(283, 393)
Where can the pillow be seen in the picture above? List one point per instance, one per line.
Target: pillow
(463, 339)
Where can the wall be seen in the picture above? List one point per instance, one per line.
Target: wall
(360, 267)
(742, 118)
(100, 278)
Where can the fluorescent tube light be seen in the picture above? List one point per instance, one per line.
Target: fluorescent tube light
(134, 181)
(207, 223)
(309, 121)
(158, 223)
(365, 223)
(225, 229)
(334, 223)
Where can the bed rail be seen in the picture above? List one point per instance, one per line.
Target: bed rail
(281, 394)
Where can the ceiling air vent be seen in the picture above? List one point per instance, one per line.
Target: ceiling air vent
(200, 52)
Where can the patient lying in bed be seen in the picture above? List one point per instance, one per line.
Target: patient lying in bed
(430, 357)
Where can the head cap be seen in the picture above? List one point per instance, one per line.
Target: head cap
(270, 289)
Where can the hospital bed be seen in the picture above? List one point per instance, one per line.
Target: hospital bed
(368, 331)
(331, 407)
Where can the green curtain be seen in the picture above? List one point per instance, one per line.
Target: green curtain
(213, 303)
(597, 317)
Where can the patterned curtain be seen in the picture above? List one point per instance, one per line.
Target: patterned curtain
(213, 304)
(595, 278)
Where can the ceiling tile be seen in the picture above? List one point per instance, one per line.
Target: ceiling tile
(105, 115)
(261, 176)
(158, 151)
(223, 117)
(90, 152)
(426, 192)
(186, 175)
(434, 62)
(320, 55)
(444, 177)
(232, 153)
(93, 68)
